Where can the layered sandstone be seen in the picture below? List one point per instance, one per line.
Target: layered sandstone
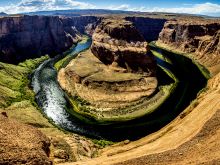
(25, 37)
(200, 38)
(115, 78)
(118, 42)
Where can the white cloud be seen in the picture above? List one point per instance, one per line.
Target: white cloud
(205, 8)
(36, 5)
(121, 7)
(40, 5)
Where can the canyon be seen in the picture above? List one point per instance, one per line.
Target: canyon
(28, 37)
(25, 37)
(118, 70)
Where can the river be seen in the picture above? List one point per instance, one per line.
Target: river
(53, 103)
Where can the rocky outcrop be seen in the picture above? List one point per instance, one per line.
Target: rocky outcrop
(25, 37)
(118, 42)
(118, 71)
(148, 27)
(200, 38)
(22, 144)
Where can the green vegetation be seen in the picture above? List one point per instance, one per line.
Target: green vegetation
(162, 57)
(17, 99)
(203, 70)
(102, 143)
(14, 81)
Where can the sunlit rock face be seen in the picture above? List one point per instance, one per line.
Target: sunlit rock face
(200, 38)
(118, 42)
(115, 78)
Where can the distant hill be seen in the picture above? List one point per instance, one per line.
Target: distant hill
(78, 12)
(3, 14)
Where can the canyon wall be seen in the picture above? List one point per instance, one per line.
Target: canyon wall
(198, 38)
(149, 27)
(25, 37)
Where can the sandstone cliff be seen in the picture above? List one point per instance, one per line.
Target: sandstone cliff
(25, 37)
(200, 38)
(118, 42)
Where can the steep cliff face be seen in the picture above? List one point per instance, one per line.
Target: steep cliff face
(148, 27)
(200, 38)
(118, 42)
(27, 37)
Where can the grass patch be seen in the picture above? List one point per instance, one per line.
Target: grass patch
(14, 82)
(102, 143)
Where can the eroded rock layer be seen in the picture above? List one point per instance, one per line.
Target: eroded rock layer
(103, 86)
(117, 41)
(200, 38)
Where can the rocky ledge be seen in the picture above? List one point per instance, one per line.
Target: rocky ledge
(114, 79)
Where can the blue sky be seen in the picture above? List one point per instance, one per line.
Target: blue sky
(210, 7)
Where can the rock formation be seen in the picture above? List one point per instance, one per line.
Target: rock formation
(197, 37)
(25, 37)
(121, 75)
(118, 42)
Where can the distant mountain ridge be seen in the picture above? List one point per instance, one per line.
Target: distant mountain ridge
(3, 14)
(78, 12)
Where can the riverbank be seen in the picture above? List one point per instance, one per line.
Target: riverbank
(17, 102)
(134, 109)
(206, 71)
(187, 139)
